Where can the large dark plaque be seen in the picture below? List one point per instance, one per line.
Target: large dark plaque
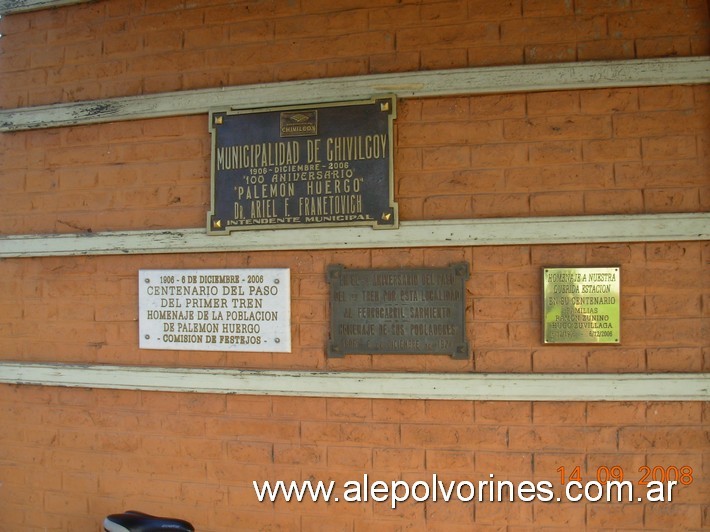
(412, 311)
(286, 167)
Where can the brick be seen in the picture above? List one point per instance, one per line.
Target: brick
(502, 309)
(566, 177)
(444, 59)
(675, 359)
(299, 454)
(570, 516)
(680, 413)
(552, 103)
(497, 106)
(612, 150)
(625, 360)
(557, 127)
(463, 436)
(449, 411)
(671, 252)
(669, 147)
(456, 108)
(567, 439)
(673, 515)
(454, 35)
(673, 305)
(481, 9)
(497, 412)
(554, 413)
(445, 157)
(665, 98)
(606, 50)
(656, 123)
(348, 409)
(352, 433)
(613, 202)
(357, 458)
(681, 173)
(557, 203)
(514, 361)
(513, 514)
(396, 410)
(616, 413)
(648, 23)
(498, 155)
(602, 101)
(488, 258)
(627, 515)
(671, 438)
(664, 47)
(555, 152)
(398, 459)
(447, 208)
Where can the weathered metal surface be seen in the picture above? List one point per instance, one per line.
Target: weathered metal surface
(398, 311)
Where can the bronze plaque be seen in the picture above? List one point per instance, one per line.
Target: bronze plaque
(402, 311)
(290, 167)
(581, 305)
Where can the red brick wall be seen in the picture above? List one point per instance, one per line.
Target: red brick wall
(71, 456)
(107, 49)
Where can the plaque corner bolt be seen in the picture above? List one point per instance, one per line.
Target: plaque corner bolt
(384, 106)
(217, 224)
(335, 352)
(218, 120)
(386, 216)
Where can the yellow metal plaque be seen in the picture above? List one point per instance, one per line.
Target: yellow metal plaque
(581, 305)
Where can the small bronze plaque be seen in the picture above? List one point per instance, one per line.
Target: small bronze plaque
(581, 305)
(403, 311)
(292, 167)
(299, 123)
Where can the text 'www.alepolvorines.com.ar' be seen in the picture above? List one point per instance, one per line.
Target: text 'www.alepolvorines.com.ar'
(435, 489)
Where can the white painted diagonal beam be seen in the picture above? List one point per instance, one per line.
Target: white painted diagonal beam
(481, 80)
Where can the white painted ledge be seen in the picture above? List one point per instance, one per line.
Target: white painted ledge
(452, 386)
(434, 233)
(478, 80)
(8, 7)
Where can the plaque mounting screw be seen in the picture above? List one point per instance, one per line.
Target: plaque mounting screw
(147, 281)
(384, 106)
(147, 337)
(217, 224)
(277, 340)
(386, 216)
(218, 120)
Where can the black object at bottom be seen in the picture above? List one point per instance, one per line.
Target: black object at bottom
(139, 522)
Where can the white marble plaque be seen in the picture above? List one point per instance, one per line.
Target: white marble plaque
(215, 310)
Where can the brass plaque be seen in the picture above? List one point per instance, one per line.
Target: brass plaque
(402, 311)
(581, 305)
(290, 167)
